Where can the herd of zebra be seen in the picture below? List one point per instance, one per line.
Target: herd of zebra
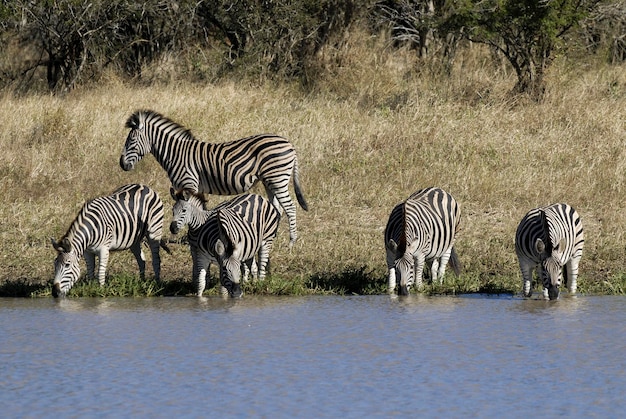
(237, 235)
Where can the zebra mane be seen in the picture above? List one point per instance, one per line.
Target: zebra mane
(141, 117)
(187, 194)
(402, 239)
(546, 230)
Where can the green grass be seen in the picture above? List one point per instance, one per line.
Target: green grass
(352, 281)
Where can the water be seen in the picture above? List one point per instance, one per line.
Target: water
(349, 357)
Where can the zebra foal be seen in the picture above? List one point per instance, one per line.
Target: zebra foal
(230, 235)
(116, 222)
(421, 229)
(226, 168)
(550, 240)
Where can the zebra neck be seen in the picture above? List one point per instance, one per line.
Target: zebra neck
(172, 152)
(78, 242)
(199, 218)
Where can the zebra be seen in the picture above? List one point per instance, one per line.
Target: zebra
(247, 224)
(550, 240)
(108, 223)
(190, 209)
(420, 229)
(227, 168)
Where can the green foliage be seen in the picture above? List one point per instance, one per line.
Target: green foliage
(526, 32)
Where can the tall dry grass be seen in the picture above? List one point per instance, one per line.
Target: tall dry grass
(376, 128)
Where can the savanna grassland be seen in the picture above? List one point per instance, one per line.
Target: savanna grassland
(373, 130)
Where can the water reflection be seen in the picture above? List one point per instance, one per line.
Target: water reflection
(476, 355)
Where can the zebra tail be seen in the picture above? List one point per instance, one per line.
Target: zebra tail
(455, 263)
(165, 247)
(296, 186)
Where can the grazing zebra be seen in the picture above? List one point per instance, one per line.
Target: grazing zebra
(116, 222)
(550, 239)
(230, 235)
(223, 169)
(421, 229)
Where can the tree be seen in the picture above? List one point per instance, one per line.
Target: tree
(418, 23)
(526, 32)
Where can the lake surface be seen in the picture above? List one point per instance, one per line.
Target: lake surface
(348, 357)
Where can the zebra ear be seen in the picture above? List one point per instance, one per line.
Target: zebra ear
(540, 247)
(56, 245)
(173, 193)
(65, 244)
(392, 245)
(560, 245)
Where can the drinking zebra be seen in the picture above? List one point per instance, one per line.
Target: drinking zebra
(116, 222)
(231, 235)
(550, 240)
(223, 168)
(421, 229)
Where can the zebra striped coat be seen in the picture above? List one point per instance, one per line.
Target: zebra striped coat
(116, 222)
(223, 168)
(550, 240)
(208, 233)
(421, 229)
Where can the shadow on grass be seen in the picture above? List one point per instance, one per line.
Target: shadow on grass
(352, 280)
(24, 289)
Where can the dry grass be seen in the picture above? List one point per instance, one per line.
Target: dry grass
(373, 132)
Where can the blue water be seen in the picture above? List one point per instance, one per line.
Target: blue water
(349, 357)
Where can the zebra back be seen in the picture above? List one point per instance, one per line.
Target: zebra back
(552, 231)
(118, 220)
(427, 221)
(226, 168)
(252, 222)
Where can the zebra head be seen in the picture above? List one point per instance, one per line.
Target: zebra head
(403, 264)
(551, 266)
(228, 249)
(66, 268)
(186, 210)
(137, 144)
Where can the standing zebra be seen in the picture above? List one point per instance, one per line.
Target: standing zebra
(230, 234)
(550, 239)
(224, 168)
(116, 222)
(420, 229)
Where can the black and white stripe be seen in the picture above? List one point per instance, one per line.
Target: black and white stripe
(551, 240)
(421, 229)
(116, 222)
(231, 235)
(216, 168)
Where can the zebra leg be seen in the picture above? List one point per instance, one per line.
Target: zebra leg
(443, 264)
(264, 256)
(281, 194)
(572, 274)
(527, 275)
(391, 285)
(201, 265)
(155, 247)
(418, 270)
(90, 261)
(102, 264)
(254, 268)
(434, 267)
(250, 267)
(141, 259)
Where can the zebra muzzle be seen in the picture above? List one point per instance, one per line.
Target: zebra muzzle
(56, 290)
(174, 228)
(125, 166)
